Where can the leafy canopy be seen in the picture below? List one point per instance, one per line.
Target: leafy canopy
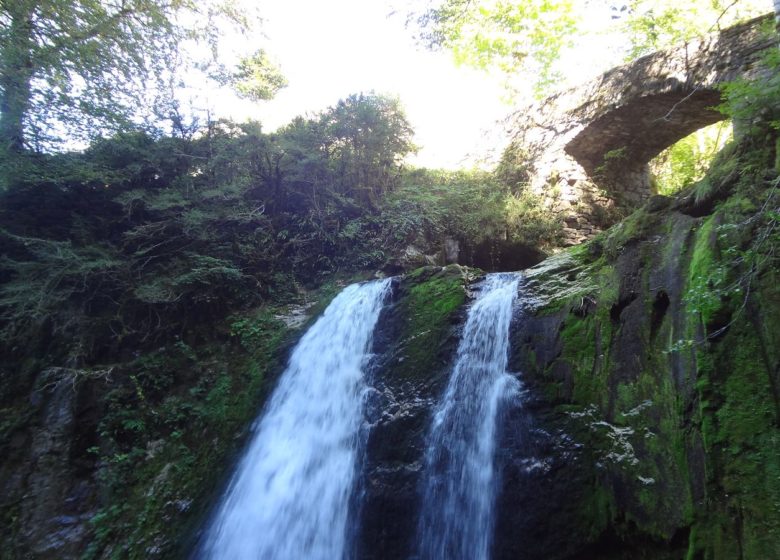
(257, 77)
(78, 69)
(531, 40)
(657, 24)
(514, 37)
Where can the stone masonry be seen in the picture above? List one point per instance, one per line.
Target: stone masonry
(589, 146)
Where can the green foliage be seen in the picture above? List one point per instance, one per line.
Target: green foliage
(56, 282)
(511, 36)
(80, 69)
(687, 161)
(513, 170)
(431, 204)
(257, 77)
(531, 222)
(253, 331)
(612, 162)
(529, 219)
(471, 206)
(534, 39)
(196, 277)
(652, 24)
(139, 238)
(754, 103)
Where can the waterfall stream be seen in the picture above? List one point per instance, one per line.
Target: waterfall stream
(289, 497)
(459, 483)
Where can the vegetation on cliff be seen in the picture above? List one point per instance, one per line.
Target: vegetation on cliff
(666, 367)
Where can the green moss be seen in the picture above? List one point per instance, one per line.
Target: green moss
(434, 297)
(597, 511)
(632, 229)
(737, 407)
(707, 373)
(577, 336)
(743, 442)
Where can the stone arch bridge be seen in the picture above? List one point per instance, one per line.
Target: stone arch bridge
(590, 145)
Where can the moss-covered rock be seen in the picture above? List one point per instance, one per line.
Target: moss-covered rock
(430, 300)
(653, 346)
(415, 343)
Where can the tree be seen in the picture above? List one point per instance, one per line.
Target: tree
(88, 66)
(655, 24)
(529, 37)
(257, 78)
(513, 36)
(367, 137)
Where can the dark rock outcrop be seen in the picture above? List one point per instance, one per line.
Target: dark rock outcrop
(651, 348)
(48, 479)
(415, 341)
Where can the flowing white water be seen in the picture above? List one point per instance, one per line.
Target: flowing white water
(289, 497)
(456, 520)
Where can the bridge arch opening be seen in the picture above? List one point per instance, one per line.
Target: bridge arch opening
(616, 148)
(687, 160)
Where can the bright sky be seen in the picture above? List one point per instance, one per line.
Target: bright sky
(329, 50)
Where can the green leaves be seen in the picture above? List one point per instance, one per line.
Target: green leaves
(513, 37)
(755, 102)
(656, 24)
(80, 70)
(687, 161)
(530, 41)
(257, 77)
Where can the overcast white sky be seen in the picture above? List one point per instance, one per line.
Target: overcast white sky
(329, 50)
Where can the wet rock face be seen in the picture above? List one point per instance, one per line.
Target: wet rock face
(541, 463)
(52, 471)
(391, 475)
(634, 353)
(405, 389)
(541, 484)
(603, 393)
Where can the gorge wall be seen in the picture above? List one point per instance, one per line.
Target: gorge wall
(653, 346)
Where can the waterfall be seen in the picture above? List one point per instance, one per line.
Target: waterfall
(289, 497)
(459, 483)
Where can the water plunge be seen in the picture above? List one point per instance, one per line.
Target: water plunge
(459, 482)
(289, 497)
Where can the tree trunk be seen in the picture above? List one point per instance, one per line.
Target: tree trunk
(16, 72)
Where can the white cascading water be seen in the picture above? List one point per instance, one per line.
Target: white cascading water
(458, 485)
(289, 497)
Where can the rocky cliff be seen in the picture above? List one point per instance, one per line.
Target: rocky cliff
(652, 355)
